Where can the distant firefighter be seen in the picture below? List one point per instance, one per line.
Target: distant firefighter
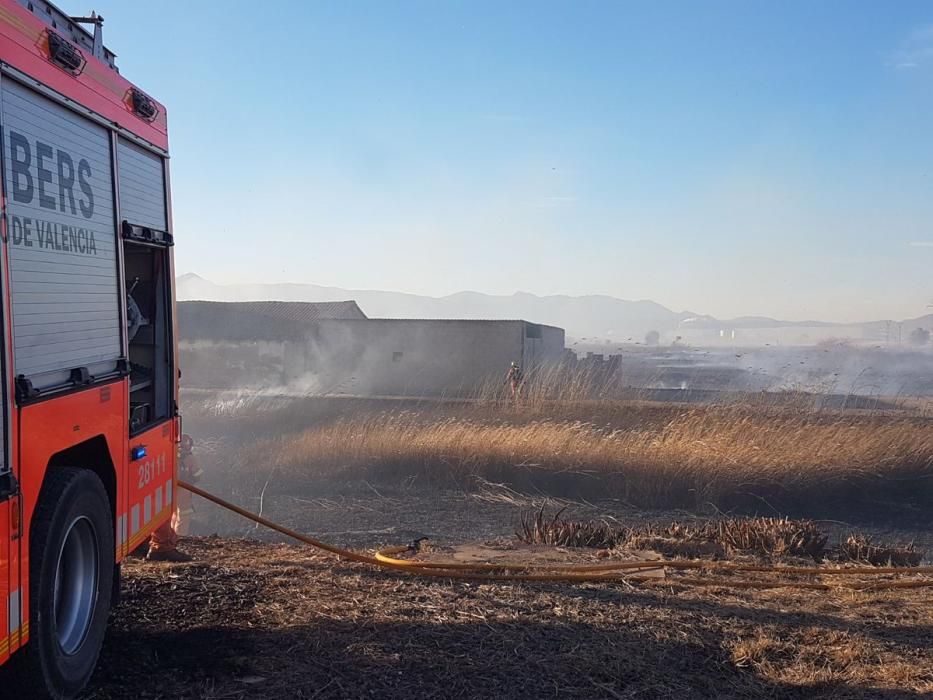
(163, 545)
(515, 378)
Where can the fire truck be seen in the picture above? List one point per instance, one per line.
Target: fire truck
(88, 369)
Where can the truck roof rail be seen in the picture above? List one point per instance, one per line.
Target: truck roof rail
(73, 30)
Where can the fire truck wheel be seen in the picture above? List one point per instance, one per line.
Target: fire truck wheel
(71, 583)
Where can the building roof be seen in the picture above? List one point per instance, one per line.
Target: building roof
(300, 311)
(393, 319)
(258, 320)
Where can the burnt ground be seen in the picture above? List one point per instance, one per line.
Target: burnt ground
(249, 619)
(360, 514)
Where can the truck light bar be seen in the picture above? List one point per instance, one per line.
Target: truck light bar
(73, 29)
(143, 105)
(65, 55)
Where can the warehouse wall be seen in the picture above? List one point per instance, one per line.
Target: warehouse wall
(413, 357)
(226, 364)
(374, 357)
(543, 345)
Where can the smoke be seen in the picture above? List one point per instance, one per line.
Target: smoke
(830, 367)
(366, 358)
(842, 368)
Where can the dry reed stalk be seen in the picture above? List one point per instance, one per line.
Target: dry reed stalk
(861, 548)
(761, 536)
(726, 456)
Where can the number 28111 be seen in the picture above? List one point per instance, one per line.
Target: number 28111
(151, 469)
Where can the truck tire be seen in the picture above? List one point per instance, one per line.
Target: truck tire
(71, 581)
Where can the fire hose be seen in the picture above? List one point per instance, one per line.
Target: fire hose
(387, 559)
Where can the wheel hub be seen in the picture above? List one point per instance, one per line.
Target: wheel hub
(76, 585)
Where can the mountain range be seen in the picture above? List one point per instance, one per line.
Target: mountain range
(592, 316)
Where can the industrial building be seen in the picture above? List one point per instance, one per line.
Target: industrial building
(334, 348)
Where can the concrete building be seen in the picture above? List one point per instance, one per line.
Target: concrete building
(423, 357)
(334, 348)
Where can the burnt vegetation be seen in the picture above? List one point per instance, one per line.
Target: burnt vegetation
(726, 537)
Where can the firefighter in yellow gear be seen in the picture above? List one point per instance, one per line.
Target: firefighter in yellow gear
(163, 545)
(515, 379)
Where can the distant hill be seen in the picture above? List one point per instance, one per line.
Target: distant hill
(596, 315)
(906, 325)
(583, 317)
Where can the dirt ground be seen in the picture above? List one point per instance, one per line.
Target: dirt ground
(249, 619)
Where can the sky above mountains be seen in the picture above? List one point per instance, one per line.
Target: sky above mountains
(734, 157)
(583, 317)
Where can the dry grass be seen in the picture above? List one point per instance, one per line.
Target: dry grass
(555, 383)
(771, 537)
(861, 548)
(730, 457)
(538, 528)
(768, 536)
(603, 382)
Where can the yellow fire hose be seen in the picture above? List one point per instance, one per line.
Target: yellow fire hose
(386, 559)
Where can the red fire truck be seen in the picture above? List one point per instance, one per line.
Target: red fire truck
(88, 378)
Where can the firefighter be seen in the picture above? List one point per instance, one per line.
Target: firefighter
(163, 545)
(515, 379)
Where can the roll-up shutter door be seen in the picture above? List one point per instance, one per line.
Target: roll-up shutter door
(142, 186)
(64, 283)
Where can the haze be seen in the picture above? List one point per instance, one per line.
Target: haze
(731, 158)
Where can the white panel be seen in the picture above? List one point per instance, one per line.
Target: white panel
(13, 611)
(142, 186)
(62, 233)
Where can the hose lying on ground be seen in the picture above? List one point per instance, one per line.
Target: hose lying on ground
(578, 573)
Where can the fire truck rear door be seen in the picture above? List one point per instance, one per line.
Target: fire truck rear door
(62, 233)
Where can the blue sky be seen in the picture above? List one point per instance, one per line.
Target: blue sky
(724, 157)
